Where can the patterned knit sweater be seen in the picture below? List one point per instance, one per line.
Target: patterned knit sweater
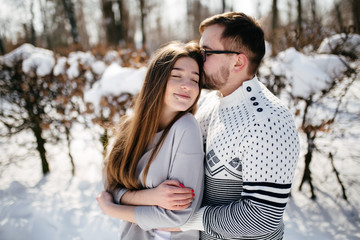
(252, 148)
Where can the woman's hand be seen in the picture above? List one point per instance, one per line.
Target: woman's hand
(172, 195)
(171, 229)
(108, 207)
(104, 200)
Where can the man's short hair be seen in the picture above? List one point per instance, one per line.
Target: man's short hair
(241, 34)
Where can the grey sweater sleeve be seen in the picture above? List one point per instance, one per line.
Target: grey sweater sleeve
(186, 167)
(118, 193)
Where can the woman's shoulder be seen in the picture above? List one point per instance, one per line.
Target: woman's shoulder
(187, 124)
(188, 121)
(186, 133)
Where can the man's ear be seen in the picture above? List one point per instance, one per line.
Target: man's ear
(241, 62)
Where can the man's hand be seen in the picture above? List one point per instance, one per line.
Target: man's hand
(172, 195)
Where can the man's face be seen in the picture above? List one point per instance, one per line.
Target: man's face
(216, 66)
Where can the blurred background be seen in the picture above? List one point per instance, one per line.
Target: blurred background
(69, 69)
(63, 25)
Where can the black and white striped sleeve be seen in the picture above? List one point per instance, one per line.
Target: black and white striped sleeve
(269, 153)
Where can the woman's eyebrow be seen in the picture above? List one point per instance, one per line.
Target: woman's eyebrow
(180, 69)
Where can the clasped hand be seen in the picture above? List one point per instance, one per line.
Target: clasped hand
(171, 195)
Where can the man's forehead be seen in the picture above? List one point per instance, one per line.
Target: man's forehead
(211, 36)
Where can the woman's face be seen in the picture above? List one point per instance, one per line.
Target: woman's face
(182, 87)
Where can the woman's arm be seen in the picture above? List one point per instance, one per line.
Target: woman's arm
(163, 195)
(186, 167)
(170, 195)
(108, 207)
(146, 197)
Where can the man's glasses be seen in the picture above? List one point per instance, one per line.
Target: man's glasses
(209, 52)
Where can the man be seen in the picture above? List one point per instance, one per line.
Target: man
(251, 141)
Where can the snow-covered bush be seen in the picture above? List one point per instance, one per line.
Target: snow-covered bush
(315, 86)
(47, 93)
(343, 44)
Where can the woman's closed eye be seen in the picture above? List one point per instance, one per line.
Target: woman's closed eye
(179, 77)
(195, 80)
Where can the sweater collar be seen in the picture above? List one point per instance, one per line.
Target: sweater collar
(248, 88)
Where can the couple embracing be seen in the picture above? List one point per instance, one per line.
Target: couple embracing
(216, 168)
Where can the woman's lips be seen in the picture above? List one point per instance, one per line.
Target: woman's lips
(182, 95)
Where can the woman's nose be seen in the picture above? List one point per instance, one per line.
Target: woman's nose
(186, 83)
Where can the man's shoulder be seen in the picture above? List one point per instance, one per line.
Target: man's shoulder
(263, 103)
(206, 104)
(206, 96)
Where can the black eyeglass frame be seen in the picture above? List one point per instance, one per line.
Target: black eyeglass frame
(206, 52)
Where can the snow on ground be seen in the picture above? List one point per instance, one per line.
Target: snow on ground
(57, 206)
(60, 206)
(329, 216)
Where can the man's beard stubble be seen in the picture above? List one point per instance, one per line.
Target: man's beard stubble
(216, 80)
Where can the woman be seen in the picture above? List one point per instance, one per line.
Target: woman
(161, 140)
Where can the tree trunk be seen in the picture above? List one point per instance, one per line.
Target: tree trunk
(338, 176)
(339, 17)
(308, 157)
(123, 20)
(32, 29)
(274, 16)
(81, 25)
(311, 145)
(67, 132)
(41, 146)
(105, 141)
(2, 49)
(143, 15)
(356, 15)
(196, 12)
(299, 19)
(290, 7)
(313, 11)
(45, 25)
(274, 27)
(69, 10)
(110, 24)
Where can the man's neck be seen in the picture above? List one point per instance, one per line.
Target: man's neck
(230, 88)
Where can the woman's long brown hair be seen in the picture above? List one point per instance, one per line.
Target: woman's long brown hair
(136, 132)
